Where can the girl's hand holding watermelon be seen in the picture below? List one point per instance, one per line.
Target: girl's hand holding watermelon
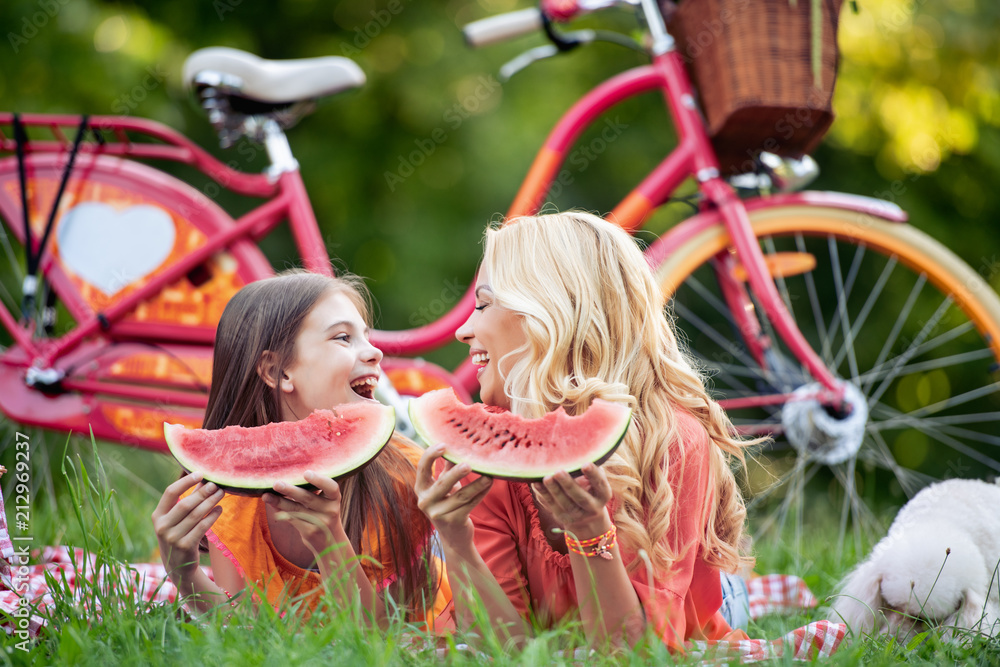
(287, 347)
(315, 515)
(180, 525)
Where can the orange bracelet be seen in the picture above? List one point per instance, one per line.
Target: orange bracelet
(598, 546)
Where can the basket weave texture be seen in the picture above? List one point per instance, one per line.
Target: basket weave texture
(751, 61)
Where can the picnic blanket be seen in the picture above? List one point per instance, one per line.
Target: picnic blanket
(25, 596)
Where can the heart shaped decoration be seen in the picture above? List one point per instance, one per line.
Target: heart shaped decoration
(111, 248)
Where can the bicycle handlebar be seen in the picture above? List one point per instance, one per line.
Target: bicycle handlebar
(502, 27)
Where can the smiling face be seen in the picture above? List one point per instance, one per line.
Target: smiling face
(491, 332)
(334, 363)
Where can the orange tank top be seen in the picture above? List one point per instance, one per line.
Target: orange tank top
(242, 535)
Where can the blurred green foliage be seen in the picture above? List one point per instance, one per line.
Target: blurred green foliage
(918, 104)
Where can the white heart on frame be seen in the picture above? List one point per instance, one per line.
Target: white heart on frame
(111, 248)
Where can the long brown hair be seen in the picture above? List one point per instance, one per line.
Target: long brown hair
(267, 316)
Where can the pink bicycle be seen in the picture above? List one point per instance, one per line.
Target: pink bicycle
(826, 321)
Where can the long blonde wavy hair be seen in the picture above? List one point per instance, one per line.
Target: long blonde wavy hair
(596, 328)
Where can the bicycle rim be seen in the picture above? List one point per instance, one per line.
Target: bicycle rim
(895, 314)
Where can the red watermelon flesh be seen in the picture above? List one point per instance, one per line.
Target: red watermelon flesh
(502, 444)
(333, 443)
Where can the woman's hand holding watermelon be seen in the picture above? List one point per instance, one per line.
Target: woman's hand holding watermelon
(445, 501)
(448, 505)
(578, 505)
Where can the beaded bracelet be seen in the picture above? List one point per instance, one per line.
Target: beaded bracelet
(595, 546)
(232, 603)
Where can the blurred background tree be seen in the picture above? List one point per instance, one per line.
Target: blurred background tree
(405, 173)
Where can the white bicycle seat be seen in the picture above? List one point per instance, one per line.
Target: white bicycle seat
(273, 81)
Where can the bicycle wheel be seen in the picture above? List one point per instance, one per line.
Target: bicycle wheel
(119, 225)
(908, 325)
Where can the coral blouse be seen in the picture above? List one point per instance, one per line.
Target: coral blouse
(681, 604)
(242, 535)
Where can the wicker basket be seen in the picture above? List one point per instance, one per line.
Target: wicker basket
(751, 61)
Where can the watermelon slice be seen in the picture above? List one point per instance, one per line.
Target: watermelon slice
(333, 443)
(504, 445)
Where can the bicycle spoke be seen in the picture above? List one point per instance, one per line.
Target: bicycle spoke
(852, 274)
(769, 332)
(752, 372)
(922, 366)
(925, 347)
(824, 351)
(762, 495)
(843, 293)
(954, 400)
(711, 332)
(14, 305)
(898, 325)
(849, 494)
(910, 350)
(910, 481)
(854, 506)
(945, 439)
(866, 309)
(723, 374)
(977, 418)
(706, 295)
(710, 298)
(975, 436)
(793, 502)
(789, 482)
(779, 280)
(800, 495)
(773, 420)
(946, 337)
(9, 251)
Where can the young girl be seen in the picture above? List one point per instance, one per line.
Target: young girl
(286, 346)
(567, 310)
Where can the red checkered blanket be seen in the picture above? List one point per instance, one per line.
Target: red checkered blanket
(25, 597)
(778, 594)
(816, 640)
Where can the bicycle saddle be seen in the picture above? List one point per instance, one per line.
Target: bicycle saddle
(275, 82)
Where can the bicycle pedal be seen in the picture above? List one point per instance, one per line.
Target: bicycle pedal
(780, 265)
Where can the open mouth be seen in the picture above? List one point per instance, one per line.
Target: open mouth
(480, 359)
(365, 387)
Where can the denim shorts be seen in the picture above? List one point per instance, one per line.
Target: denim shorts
(735, 601)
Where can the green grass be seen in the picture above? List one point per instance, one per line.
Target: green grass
(100, 498)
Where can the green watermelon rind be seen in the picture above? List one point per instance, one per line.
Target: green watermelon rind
(574, 468)
(253, 487)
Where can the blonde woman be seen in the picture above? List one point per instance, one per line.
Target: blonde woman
(567, 310)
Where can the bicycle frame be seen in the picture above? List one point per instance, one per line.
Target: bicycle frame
(693, 156)
(286, 198)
